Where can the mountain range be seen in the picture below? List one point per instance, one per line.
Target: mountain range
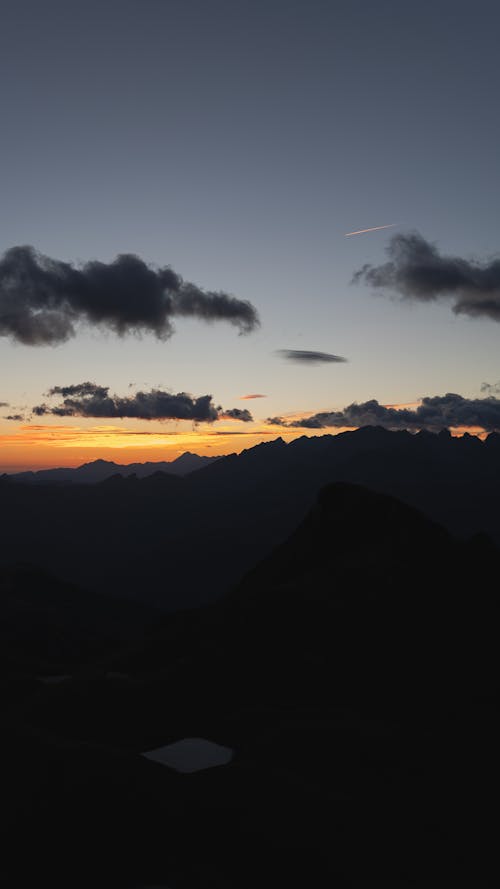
(354, 674)
(99, 470)
(175, 542)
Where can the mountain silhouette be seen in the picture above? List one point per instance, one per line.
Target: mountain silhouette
(178, 542)
(51, 627)
(358, 660)
(353, 672)
(99, 470)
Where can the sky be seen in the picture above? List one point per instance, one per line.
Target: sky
(238, 142)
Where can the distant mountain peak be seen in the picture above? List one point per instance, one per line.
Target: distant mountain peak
(268, 445)
(99, 470)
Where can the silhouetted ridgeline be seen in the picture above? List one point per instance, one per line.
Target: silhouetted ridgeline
(99, 470)
(353, 672)
(176, 542)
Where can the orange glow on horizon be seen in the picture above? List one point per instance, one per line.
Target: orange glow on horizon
(43, 446)
(404, 405)
(478, 431)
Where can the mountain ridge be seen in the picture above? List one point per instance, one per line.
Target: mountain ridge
(176, 542)
(353, 673)
(95, 471)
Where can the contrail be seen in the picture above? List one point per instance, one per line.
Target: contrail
(377, 228)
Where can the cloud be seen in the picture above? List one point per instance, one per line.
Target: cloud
(278, 421)
(364, 231)
(19, 418)
(80, 390)
(248, 397)
(416, 270)
(90, 400)
(490, 388)
(305, 357)
(42, 299)
(236, 413)
(257, 434)
(434, 413)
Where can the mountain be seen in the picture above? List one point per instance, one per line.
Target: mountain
(99, 470)
(176, 542)
(358, 665)
(188, 462)
(354, 673)
(363, 579)
(51, 627)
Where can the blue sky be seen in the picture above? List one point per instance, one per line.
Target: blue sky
(239, 141)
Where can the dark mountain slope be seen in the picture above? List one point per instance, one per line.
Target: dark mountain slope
(180, 542)
(51, 627)
(364, 576)
(361, 659)
(354, 672)
(111, 537)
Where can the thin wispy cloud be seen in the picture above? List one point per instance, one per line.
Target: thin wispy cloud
(37, 438)
(365, 231)
(303, 356)
(248, 397)
(257, 434)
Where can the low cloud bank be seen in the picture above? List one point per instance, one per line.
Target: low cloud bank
(90, 400)
(434, 413)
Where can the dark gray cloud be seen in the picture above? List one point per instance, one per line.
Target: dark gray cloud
(4, 403)
(416, 270)
(434, 413)
(236, 413)
(302, 356)
(90, 400)
(490, 388)
(17, 417)
(80, 390)
(278, 421)
(42, 299)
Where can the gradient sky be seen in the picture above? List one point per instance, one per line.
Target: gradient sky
(238, 141)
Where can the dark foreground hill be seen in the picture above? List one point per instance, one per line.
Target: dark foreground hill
(48, 627)
(176, 542)
(354, 672)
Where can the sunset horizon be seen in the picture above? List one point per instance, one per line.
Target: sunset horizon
(53, 447)
(249, 443)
